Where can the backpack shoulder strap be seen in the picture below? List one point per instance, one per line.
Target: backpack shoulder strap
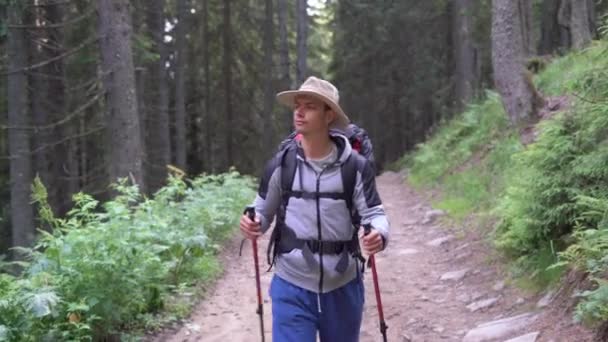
(287, 159)
(349, 176)
(288, 168)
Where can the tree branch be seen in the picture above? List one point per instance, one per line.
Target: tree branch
(55, 25)
(66, 119)
(58, 142)
(51, 60)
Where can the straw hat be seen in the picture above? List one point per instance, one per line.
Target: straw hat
(322, 90)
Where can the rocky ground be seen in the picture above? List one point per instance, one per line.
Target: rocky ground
(439, 282)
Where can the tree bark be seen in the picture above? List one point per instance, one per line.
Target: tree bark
(180, 83)
(527, 27)
(157, 137)
(49, 105)
(283, 45)
(592, 18)
(579, 24)
(208, 122)
(519, 97)
(64, 168)
(464, 54)
(22, 222)
(40, 111)
(227, 75)
(269, 91)
(550, 30)
(122, 119)
(302, 40)
(563, 19)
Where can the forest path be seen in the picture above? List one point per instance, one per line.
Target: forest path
(438, 282)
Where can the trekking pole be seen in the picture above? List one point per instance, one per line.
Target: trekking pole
(372, 262)
(250, 211)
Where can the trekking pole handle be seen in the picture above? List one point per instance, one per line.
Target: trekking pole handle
(250, 212)
(367, 228)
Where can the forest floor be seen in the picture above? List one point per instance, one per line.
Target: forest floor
(440, 281)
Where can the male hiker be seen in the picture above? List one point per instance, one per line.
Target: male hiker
(313, 187)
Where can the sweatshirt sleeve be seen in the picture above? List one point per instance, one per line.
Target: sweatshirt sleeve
(268, 198)
(368, 202)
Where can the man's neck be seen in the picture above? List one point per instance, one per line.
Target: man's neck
(316, 146)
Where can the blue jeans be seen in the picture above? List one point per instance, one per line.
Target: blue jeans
(296, 316)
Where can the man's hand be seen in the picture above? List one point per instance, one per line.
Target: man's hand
(372, 243)
(250, 229)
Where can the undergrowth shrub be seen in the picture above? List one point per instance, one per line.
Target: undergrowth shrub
(105, 266)
(550, 199)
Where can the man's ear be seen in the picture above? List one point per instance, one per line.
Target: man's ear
(330, 116)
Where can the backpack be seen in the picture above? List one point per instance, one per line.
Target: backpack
(361, 143)
(357, 136)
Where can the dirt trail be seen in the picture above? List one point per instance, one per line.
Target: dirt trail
(438, 283)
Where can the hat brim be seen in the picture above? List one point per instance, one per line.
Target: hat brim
(288, 97)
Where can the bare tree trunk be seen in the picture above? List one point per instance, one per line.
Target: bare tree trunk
(464, 54)
(519, 96)
(49, 105)
(122, 120)
(140, 86)
(579, 24)
(40, 111)
(63, 168)
(23, 230)
(592, 18)
(563, 18)
(550, 29)
(302, 40)
(227, 71)
(180, 83)
(527, 27)
(158, 141)
(208, 122)
(283, 45)
(268, 134)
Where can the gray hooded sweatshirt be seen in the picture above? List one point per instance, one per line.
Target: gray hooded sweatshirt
(329, 220)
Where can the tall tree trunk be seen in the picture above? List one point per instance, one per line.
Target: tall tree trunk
(122, 119)
(157, 137)
(302, 40)
(592, 18)
(519, 97)
(208, 122)
(563, 18)
(49, 105)
(22, 222)
(180, 85)
(579, 24)
(464, 54)
(227, 75)
(40, 111)
(268, 134)
(283, 44)
(549, 27)
(63, 168)
(526, 15)
(140, 86)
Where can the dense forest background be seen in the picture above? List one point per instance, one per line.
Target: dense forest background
(96, 90)
(124, 122)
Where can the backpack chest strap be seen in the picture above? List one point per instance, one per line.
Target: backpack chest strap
(314, 195)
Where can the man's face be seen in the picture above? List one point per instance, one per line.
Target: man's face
(311, 114)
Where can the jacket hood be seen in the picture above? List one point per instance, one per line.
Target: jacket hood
(342, 143)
